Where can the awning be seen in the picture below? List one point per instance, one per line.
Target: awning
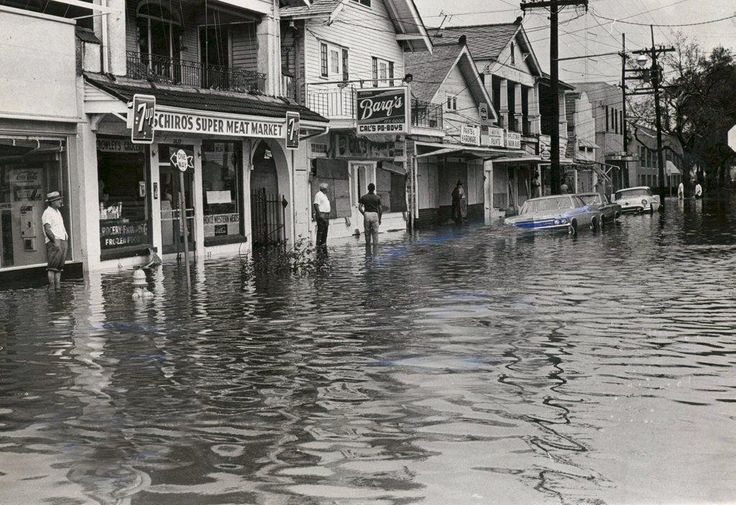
(587, 143)
(672, 169)
(487, 153)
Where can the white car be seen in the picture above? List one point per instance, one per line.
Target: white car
(638, 199)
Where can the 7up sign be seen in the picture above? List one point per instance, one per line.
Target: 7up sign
(144, 107)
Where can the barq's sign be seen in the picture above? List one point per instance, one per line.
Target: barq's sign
(382, 110)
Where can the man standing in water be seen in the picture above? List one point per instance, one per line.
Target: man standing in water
(56, 238)
(370, 206)
(322, 211)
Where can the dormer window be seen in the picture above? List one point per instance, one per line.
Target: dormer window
(366, 3)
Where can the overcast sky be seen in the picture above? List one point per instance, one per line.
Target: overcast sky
(591, 33)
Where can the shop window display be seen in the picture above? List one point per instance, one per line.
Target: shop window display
(221, 192)
(123, 208)
(391, 187)
(29, 169)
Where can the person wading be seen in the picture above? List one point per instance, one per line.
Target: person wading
(56, 238)
(459, 205)
(370, 206)
(322, 210)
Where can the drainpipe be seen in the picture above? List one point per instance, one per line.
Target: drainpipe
(105, 40)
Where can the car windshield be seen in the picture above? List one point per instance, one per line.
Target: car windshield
(632, 193)
(591, 199)
(547, 205)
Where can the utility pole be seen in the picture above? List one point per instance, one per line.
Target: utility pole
(655, 76)
(554, 77)
(623, 88)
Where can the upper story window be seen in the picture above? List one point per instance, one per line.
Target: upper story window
(452, 102)
(382, 72)
(159, 30)
(513, 54)
(333, 62)
(367, 3)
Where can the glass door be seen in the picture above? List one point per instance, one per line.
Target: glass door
(172, 236)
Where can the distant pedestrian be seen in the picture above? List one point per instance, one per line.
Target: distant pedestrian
(698, 191)
(563, 187)
(681, 191)
(322, 211)
(459, 203)
(370, 206)
(56, 238)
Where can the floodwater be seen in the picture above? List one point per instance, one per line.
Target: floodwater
(460, 366)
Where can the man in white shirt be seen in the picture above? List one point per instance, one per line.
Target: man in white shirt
(322, 210)
(698, 191)
(680, 191)
(56, 237)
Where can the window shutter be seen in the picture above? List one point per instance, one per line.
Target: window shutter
(323, 59)
(345, 73)
(374, 71)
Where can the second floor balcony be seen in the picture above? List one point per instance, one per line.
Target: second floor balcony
(162, 69)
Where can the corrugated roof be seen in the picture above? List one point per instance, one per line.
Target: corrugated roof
(430, 70)
(484, 41)
(205, 100)
(318, 8)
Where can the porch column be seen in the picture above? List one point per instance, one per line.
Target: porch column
(156, 192)
(534, 116)
(247, 169)
(116, 34)
(488, 191)
(268, 34)
(198, 203)
(518, 112)
(86, 193)
(503, 109)
(563, 115)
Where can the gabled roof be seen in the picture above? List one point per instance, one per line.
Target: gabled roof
(403, 14)
(204, 100)
(430, 71)
(487, 42)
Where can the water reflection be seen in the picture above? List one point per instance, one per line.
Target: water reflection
(460, 365)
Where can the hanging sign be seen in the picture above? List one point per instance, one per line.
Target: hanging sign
(292, 130)
(484, 114)
(513, 140)
(144, 111)
(181, 160)
(382, 110)
(496, 137)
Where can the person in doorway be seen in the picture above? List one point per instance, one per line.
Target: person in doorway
(681, 191)
(322, 211)
(458, 203)
(56, 238)
(698, 191)
(370, 206)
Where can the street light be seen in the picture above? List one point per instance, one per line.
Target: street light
(642, 60)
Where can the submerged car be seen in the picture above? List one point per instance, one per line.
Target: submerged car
(558, 212)
(609, 211)
(638, 199)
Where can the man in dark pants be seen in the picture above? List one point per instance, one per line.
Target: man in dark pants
(370, 206)
(56, 238)
(322, 210)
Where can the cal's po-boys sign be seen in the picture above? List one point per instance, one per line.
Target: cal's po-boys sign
(382, 110)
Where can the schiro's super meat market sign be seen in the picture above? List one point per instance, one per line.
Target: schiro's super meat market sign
(382, 110)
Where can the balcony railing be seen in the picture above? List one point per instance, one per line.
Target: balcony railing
(332, 102)
(426, 114)
(167, 70)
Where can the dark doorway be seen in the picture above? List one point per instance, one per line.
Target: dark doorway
(267, 205)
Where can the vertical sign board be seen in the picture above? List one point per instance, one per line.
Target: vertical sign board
(382, 110)
(292, 130)
(144, 111)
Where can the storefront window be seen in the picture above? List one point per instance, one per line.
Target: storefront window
(123, 205)
(29, 169)
(221, 177)
(335, 174)
(391, 187)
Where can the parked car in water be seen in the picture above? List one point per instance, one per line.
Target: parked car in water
(609, 211)
(557, 212)
(637, 199)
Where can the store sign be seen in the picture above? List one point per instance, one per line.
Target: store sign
(496, 137)
(181, 122)
(382, 110)
(292, 130)
(470, 134)
(350, 147)
(117, 233)
(144, 110)
(513, 140)
(181, 160)
(118, 146)
(545, 147)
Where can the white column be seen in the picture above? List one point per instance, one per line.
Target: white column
(247, 168)
(503, 108)
(563, 115)
(488, 191)
(156, 192)
(533, 104)
(518, 111)
(87, 196)
(198, 202)
(116, 37)
(268, 34)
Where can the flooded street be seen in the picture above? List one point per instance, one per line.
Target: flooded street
(461, 366)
